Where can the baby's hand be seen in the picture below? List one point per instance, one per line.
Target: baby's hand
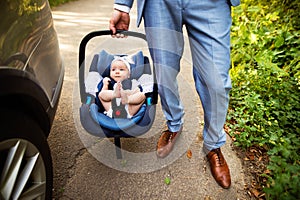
(117, 90)
(119, 85)
(106, 81)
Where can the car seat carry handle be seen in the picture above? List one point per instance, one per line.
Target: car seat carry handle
(82, 48)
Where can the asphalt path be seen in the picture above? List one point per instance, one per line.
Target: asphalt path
(86, 167)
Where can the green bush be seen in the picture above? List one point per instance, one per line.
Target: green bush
(264, 108)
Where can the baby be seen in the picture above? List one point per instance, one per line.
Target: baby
(119, 101)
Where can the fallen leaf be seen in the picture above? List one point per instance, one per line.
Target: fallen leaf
(167, 180)
(255, 192)
(249, 193)
(189, 154)
(207, 198)
(262, 195)
(251, 157)
(253, 150)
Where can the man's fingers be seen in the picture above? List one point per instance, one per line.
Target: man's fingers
(119, 21)
(112, 25)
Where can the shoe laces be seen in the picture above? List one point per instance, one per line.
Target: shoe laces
(168, 135)
(171, 136)
(220, 159)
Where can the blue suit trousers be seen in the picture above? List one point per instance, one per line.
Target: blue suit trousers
(208, 25)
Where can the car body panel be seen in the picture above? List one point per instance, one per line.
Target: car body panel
(31, 66)
(24, 32)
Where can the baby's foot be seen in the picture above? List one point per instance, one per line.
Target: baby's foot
(124, 97)
(117, 91)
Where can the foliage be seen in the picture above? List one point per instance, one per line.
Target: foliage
(264, 108)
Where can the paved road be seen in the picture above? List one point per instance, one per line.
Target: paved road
(85, 167)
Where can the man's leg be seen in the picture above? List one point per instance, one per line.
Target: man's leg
(208, 24)
(163, 27)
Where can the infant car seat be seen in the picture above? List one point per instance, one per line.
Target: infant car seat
(92, 117)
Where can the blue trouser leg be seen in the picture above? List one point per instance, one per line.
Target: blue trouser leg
(208, 24)
(165, 41)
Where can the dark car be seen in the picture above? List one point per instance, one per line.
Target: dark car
(31, 78)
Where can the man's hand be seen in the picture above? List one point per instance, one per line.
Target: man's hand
(119, 20)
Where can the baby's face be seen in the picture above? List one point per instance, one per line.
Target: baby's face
(119, 71)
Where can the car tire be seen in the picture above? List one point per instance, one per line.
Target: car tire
(25, 158)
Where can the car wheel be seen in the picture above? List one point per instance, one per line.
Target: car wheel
(25, 159)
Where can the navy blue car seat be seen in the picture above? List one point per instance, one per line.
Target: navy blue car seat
(123, 126)
(92, 117)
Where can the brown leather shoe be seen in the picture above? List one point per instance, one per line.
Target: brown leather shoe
(219, 168)
(166, 142)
